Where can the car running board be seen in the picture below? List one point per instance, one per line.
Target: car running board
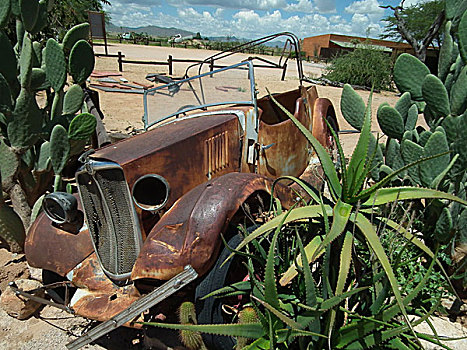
(139, 306)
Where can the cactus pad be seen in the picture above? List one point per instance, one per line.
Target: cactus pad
(41, 20)
(38, 79)
(445, 53)
(5, 93)
(8, 62)
(412, 118)
(8, 162)
(5, 7)
(393, 155)
(443, 228)
(459, 93)
(436, 96)
(352, 107)
(11, 228)
(29, 12)
(78, 32)
(412, 152)
(55, 65)
(25, 62)
(390, 122)
(462, 33)
(82, 126)
(73, 99)
(409, 73)
(403, 104)
(81, 62)
(59, 148)
(43, 161)
(430, 169)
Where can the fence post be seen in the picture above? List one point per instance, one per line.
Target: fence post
(120, 62)
(170, 64)
(283, 72)
(211, 66)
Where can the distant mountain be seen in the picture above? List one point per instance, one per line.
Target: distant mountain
(150, 30)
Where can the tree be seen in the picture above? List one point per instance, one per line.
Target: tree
(415, 25)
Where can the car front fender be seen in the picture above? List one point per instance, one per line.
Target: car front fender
(189, 232)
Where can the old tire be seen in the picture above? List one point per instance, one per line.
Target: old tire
(209, 311)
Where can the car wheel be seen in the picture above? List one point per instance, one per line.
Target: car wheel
(213, 310)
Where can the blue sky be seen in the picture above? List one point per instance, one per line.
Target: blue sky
(255, 18)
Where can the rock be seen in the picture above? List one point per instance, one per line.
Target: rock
(447, 329)
(18, 306)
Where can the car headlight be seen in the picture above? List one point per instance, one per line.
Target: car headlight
(151, 192)
(61, 207)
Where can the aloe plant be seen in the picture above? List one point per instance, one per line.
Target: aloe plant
(443, 101)
(37, 139)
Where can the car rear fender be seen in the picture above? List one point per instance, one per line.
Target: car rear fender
(189, 233)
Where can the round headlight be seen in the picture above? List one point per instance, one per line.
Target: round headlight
(60, 207)
(151, 192)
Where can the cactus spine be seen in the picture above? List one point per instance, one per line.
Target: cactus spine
(191, 339)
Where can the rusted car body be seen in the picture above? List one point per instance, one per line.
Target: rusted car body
(159, 201)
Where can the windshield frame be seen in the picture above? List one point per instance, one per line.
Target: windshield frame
(151, 92)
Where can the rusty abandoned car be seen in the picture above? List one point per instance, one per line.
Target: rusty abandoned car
(147, 221)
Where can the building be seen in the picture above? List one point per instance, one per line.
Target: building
(329, 45)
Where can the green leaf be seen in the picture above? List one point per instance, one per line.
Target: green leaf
(5, 7)
(391, 122)
(445, 53)
(357, 161)
(78, 32)
(55, 64)
(82, 126)
(403, 104)
(368, 230)
(310, 287)
(436, 144)
(462, 34)
(270, 289)
(387, 195)
(81, 61)
(288, 321)
(73, 100)
(59, 148)
(29, 12)
(352, 107)
(459, 94)
(436, 96)
(409, 73)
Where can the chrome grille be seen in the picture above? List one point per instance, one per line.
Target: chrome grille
(111, 217)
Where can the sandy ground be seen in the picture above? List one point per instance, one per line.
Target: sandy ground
(51, 328)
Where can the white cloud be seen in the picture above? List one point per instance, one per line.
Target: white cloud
(370, 8)
(305, 6)
(233, 4)
(326, 6)
(408, 3)
(130, 13)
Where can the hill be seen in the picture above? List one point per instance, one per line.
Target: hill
(150, 30)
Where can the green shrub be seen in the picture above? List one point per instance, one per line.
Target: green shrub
(365, 66)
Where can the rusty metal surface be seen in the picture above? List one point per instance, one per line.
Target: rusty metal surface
(189, 233)
(48, 247)
(98, 298)
(323, 109)
(288, 152)
(184, 152)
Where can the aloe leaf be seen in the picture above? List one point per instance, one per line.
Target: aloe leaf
(369, 192)
(287, 320)
(247, 330)
(324, 305)
(295, 214)
(341, 213)
(292, 271)
(310, 287)
(387, 195)
(372, 238)
(270, 288)
(302, 184)
(357, 161)
(324, 157)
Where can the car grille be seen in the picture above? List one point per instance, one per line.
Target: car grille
(111, 217)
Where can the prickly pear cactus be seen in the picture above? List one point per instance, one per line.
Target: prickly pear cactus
(37, 141)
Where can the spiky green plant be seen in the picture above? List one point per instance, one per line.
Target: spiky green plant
(36, 142)
(443, 101)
